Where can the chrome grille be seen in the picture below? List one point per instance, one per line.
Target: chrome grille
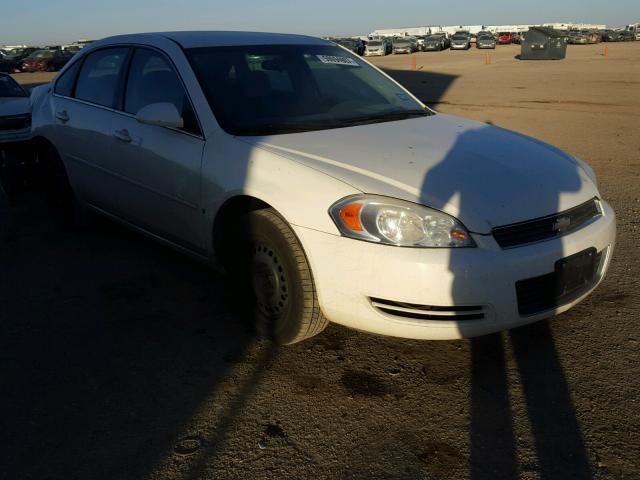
(546, 228)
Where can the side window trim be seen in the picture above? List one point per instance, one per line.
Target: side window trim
(175, 70)
(122, 86)
(121, 91)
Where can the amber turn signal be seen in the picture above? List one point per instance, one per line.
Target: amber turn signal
(350, 215)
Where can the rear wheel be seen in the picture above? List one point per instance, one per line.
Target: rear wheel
(273, 268)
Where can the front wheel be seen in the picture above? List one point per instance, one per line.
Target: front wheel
(274, 268)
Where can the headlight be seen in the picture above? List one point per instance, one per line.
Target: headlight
(395, 222)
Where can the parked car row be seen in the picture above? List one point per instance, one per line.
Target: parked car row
(34, 60)
(619, 36)
(464, 40)
(461, 40)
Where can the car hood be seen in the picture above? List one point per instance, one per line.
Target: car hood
(483, 175)
(10, 106)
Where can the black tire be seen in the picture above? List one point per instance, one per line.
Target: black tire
(270, 264)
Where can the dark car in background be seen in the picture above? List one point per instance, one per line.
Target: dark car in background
(484, 33)
(19, 54)
(627, 36)
(15, 111)
(486, 41)
(7, 65)
(611, 36)
(354, 44)
(433, 43)
(517, 38)
(404, 45)
(461, 41)
(45, 61)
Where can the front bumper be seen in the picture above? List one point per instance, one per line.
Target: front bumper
(349, 273)
(15, 136)
(374, 53)
(458, 46)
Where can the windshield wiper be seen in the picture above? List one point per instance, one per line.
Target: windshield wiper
(284, 128)
(387, 117)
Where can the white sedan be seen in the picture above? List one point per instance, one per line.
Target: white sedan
(322, 186)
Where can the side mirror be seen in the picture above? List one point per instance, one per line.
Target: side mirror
(161, 115)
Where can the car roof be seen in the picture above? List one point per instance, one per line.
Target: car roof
(195, 39)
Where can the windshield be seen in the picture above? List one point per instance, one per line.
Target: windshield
(434, 38)
(10, 88)
(274, 89)
(402, 42)
(485, 37)
(459, 37)
(346, 43)
(374, 44)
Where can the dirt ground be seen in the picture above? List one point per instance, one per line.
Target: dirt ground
(123, 360)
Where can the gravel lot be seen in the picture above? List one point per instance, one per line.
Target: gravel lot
(123, 360)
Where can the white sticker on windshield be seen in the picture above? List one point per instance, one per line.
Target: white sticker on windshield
(337, 60)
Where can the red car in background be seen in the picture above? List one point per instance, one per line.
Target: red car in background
(45, 61)
(504, 38)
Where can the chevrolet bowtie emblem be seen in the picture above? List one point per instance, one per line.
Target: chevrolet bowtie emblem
(561, 224)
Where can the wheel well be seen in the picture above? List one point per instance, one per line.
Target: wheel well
(46, 158)
(228, 213)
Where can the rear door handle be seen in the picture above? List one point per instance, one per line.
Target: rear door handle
(63, 116)
(122, 135)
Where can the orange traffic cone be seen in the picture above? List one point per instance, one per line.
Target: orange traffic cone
(414, 63)
(487, 59)
(606, 50)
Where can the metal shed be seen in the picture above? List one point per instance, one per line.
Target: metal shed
(543, 43)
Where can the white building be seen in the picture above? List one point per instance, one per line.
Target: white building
(451, 29)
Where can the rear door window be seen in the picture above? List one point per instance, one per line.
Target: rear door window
(99, 76)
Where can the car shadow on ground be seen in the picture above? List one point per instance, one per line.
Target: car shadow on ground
(429, 87)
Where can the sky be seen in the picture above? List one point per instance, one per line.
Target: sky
(64, 21)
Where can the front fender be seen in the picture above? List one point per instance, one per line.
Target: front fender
(302, 195)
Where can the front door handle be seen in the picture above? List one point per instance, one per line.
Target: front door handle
(122, 135)
(63, 116)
